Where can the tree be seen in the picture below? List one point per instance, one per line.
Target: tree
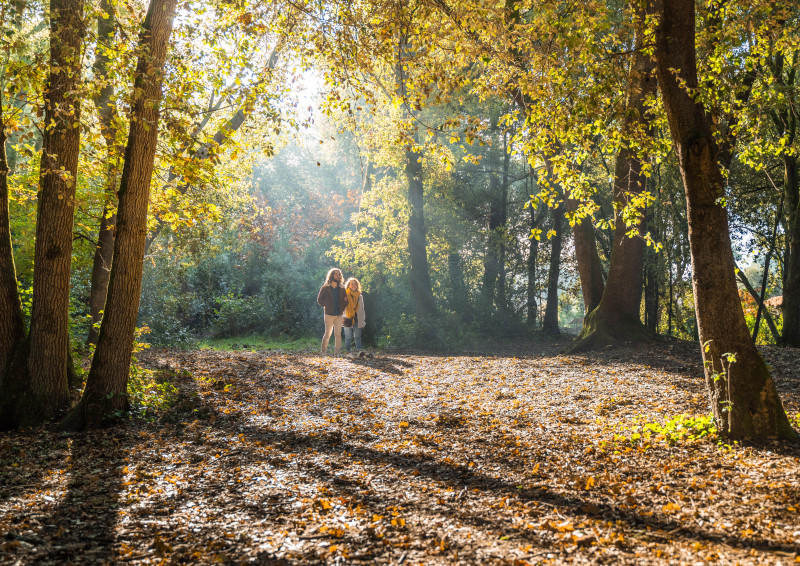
(106, 386)
(35, 384)
(616, 318)
(550, 321)
(12, 326)
(106, 110)
(419, 274)
(743, 396)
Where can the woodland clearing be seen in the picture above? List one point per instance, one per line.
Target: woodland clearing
(524, 456)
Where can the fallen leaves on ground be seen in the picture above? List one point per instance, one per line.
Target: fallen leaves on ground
(523, 458)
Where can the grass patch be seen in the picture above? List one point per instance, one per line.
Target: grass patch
(257, 343)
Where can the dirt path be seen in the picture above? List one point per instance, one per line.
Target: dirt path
(410, 459)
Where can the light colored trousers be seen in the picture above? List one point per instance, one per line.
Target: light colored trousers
(332, 324)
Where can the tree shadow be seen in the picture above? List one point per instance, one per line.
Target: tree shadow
(462, 477)
(26, 457)
(82, 526)
(383, 363)
(352, 448)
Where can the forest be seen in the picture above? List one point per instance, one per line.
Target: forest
(576, 227)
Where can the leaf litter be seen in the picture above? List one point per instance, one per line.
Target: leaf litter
(524, 456)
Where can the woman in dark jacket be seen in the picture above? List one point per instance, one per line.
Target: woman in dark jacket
(333, 299)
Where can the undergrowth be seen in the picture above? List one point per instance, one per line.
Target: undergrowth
(682, 429)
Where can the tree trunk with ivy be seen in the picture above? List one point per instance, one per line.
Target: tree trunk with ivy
(105, 395)
(743, 398)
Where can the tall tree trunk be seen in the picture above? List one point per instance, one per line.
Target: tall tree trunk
(106, 385)
(420, 279)
(533, 252)
(101, 271)
(12, 326)
(419, 274)
(501, 299)
(550, 322)
(36, 386)
(653, 270)
(590, 270)
(670, 308)
(491, 258)
(743, 396)
(616, 318)
(791, 282)
(457, 300)
(765, 276)
(101, 263)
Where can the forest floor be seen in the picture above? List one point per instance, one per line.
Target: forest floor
(523, 456)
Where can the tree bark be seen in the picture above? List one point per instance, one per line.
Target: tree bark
(653, 269)
(765, 275)
(106, 386)
(744, 401)
(791, 282)
(457, 300)
(101, 270)
(501, 299)
(12, 326)
(491, 258)
(101, 263)
(36, 385)
(419, 273)
(550, 322)
(616, 318)
(420, 279)
(533, 252)
(590, 269)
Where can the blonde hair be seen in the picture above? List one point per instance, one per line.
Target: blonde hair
(347, 285)
(331, 271)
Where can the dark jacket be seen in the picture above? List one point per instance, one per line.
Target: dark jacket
(325, 298)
